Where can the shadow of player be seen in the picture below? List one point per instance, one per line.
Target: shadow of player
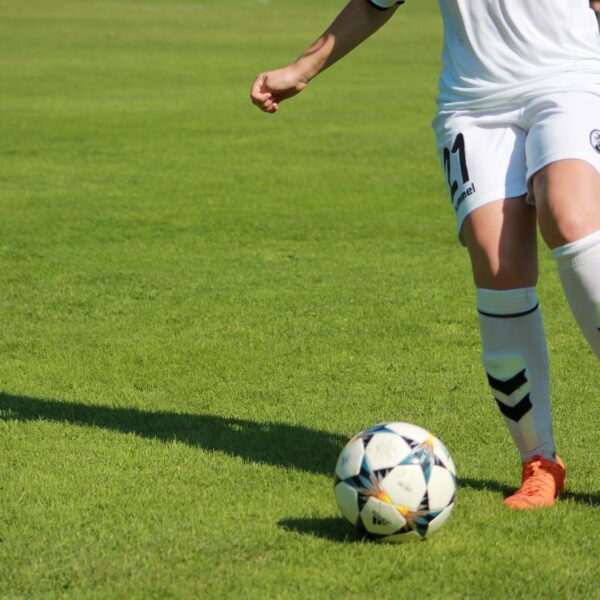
(329, 528)
(336, 529)
(494, 486)
(279, 444)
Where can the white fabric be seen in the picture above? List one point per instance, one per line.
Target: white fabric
(504, 148)
(501, 52)
(514, 341)
(579, 270)
(386, 3)
(506, 302)
(505, 51)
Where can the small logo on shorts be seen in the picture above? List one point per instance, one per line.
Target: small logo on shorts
(595, 139)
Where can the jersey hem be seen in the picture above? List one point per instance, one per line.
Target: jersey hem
(506, 98)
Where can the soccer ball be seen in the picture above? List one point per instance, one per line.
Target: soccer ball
(395, 482)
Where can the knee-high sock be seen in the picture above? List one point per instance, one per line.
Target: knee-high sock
(579, 270)
(515, 358)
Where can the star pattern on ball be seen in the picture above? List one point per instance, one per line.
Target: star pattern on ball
(422, 455)
(394, 479)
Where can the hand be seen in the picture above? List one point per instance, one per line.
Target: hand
(273, 87)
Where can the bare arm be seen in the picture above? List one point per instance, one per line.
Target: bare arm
(357, 21)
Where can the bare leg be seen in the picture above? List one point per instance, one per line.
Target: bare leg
(501, 239)
(567, 196)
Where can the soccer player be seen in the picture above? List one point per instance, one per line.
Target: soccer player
(518, 138)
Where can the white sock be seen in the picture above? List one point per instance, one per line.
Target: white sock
(515, 358)
(579, 270)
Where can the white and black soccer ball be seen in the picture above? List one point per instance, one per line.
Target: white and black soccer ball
(395, 482)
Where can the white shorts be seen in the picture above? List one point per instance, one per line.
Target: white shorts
(491, 155)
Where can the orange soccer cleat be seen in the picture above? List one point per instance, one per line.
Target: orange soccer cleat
(543, 480)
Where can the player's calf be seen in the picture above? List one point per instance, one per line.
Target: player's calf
(568, 202)
(515, 359)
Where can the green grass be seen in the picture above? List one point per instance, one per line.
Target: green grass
(201, 303)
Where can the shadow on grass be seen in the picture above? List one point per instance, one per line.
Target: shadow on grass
(336, 529)
(506, 490)
(329, 528)
(277, 444)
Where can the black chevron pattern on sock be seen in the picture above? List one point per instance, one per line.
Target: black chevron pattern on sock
(516, 412)
(510, 385)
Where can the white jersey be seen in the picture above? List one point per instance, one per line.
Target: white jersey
(503, 52)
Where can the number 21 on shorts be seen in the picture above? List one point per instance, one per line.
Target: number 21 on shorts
(455, 166)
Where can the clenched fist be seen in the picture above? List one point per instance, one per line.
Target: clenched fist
(273, 87)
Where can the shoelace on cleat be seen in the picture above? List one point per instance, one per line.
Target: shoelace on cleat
(532, 484)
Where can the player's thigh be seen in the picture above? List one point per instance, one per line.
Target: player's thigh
(502, 243)
(563, 160)
(567, 195)
(483, 157)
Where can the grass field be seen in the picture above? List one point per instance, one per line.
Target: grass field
(200, 304)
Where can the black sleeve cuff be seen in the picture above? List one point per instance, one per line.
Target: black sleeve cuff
(372, 3)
